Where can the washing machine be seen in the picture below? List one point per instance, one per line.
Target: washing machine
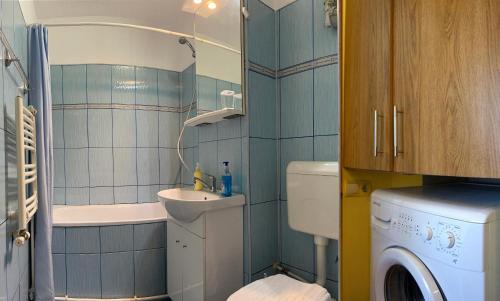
(436, 243)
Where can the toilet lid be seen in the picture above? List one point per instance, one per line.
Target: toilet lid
(280, 288)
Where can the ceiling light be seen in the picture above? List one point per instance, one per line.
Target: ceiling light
(197, 1)
(212, 5)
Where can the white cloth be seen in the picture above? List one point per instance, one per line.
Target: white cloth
(280, 288)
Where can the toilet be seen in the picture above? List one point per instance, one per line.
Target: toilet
(313, 208)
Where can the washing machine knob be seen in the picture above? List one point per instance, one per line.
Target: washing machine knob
(447, 240)
(428, 234)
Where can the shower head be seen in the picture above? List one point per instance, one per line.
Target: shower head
(184, 40)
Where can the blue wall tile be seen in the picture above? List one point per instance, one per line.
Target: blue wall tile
(326, 148)
(207, 133)
(101, 166)
(149, 236)
(125, 194)
(57, 128)
(75, 128)
(146, 86)
(150, 272)
(20, 35)
(147, 193)
(59, 176)
(169, 166)
(125, 172)
(59, 267)
(332, 261)
(123, 80)
(124, 128)
(326, 106)
(297, 105)
(56, 84)
(264, 229)
(297, 149)
(187, 78)
(100, 125)
(82, 240)
(262, 105)
(263, 170)
(168, 129)
(298, 248)
(101, 196)
(8, 19)
(207, 89)
(208, 158)
(261, 37)
(147, 166)
(59, 196)
(58, 240)
(230, 150)
(296, 37)
(3, 182)
(99, 83)
(77, 196)
(325, 38)
(117, 274)
(12, 265)
(230, 128)
(74, 84)
(147, 128)
(169, 88)
(117, 238)
(83, 276)
(76, 167)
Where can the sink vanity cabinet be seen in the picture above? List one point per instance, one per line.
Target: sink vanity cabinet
(205, 257)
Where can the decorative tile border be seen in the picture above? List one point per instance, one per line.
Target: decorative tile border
(320, 62)
(262, 70)
(120, 106)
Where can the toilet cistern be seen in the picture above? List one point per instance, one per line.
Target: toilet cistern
(313, 191)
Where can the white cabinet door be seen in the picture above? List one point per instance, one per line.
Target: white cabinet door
(174, 261)
(194, 267)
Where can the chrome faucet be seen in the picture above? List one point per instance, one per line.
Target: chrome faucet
(213, 182)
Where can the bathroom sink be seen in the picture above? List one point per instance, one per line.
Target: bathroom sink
(186, 205)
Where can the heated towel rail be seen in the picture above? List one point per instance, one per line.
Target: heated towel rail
(26, 168)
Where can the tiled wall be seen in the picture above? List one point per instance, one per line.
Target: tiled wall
(110, 261)
(14, 261)
(293, 113)
(115, 133)
(309, 116)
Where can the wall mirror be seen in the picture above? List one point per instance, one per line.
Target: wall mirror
(217, 33)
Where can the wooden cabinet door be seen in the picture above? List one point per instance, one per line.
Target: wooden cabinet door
(451, 52)
(366, 82)
(407, 85)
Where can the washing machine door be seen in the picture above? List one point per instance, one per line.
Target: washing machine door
(400, 275)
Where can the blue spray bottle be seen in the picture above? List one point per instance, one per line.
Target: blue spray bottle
(227, 181)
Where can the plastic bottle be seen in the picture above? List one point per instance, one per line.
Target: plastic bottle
(227, 181)
(198, 174)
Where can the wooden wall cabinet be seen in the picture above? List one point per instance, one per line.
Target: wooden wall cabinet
(439, 62)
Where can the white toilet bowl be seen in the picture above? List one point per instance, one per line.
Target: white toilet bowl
(281, 288)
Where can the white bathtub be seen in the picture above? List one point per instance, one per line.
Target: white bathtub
(105, 215)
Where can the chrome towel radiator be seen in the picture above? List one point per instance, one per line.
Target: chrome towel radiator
(26, 169)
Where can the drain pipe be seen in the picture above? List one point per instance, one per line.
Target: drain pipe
(321, 245)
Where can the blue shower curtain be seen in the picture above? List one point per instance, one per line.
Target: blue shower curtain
(40, 98)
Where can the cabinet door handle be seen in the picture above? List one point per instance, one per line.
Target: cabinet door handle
(395, 133)
(177, 241)
(375, 133)
(395, 113)
(184, 246)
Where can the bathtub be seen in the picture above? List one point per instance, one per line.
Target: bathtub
(110, 252)
(106, 215)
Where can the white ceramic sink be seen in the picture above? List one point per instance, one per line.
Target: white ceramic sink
(186, 205)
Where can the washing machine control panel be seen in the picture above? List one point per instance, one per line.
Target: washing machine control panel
(435, 235)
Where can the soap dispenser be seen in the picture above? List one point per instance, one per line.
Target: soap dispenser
(227, 181)
(197, 175)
